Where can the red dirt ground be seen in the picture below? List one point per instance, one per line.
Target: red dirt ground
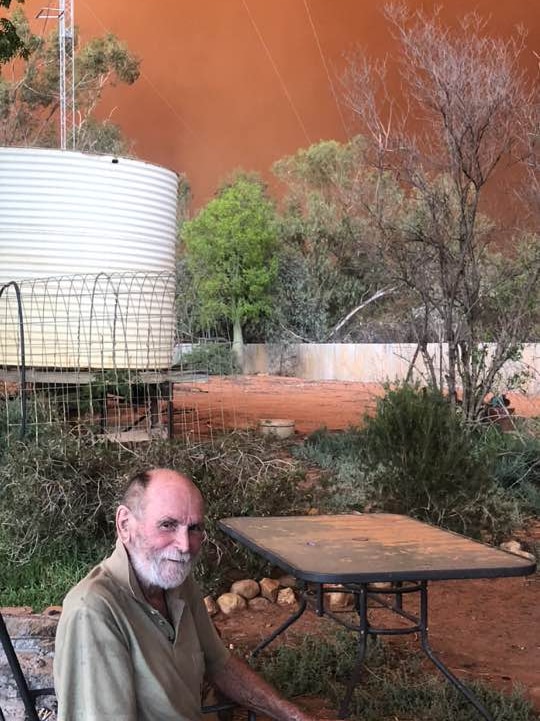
(486, 629)
(240, 401)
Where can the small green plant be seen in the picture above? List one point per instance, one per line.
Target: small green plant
(391, 686)
(215, 359)
(344, 486)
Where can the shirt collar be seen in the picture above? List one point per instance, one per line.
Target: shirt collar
(120, 568)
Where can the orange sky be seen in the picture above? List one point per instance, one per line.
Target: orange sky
(240, 83)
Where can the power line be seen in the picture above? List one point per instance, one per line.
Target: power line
(145, 77)
(276, 70)
(325, 65)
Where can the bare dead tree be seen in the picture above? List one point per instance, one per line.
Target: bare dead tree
(469, 114)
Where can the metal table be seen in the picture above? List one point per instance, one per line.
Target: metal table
(360, 550)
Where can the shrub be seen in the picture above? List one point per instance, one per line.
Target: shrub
(422, 459)
(390, 685)
(514, 461)
(344, 486)
(216, 359)
(57, 493)
(57, 500)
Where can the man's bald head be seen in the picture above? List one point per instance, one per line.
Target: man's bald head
(136, 489)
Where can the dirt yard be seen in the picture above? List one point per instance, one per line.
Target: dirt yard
(240, 402)
(487, 629)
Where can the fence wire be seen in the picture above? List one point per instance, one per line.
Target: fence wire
(106, 354)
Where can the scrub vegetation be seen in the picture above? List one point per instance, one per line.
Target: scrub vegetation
(391, 687)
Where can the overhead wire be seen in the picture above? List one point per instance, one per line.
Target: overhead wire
(145, 77)
(276, 71)
(327, 70)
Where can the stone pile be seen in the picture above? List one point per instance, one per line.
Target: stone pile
(252, 595)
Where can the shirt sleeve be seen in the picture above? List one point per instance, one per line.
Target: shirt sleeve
(93, 672)
(215, 653)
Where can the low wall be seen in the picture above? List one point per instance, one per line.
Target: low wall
(33, 639)
(367, 362)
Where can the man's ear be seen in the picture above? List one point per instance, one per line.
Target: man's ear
(124, 521)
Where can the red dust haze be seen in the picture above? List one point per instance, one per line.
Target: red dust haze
(240, 83)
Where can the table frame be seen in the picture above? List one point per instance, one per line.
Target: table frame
(363, 592)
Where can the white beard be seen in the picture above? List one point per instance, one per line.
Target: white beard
(166, 569)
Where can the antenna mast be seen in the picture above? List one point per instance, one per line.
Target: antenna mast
(64, 13)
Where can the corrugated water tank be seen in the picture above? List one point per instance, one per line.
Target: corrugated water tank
(90, 242)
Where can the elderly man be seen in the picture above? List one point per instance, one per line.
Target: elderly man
(134, 640)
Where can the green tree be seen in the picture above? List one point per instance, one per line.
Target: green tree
(328, 271)
(11, 45)
(29, 100)
(468, 117)
(231, 249)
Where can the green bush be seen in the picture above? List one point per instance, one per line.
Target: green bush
(391, 686)
(216, 359)
(423, 460)
(344, 486)
(514, 461)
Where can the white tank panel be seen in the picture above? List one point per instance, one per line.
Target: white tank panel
(90, 242)
(66, 212)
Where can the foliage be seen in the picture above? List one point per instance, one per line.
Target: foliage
(328, 265)
(418, 456)
(29, 101)
(390, 686)
(514, 464)
(58, 494)
(422, 459)
(231, 250)
(478, 114)
(344, 486)
(11, 45)
(216, 359)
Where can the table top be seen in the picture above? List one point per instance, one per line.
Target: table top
(370, 547)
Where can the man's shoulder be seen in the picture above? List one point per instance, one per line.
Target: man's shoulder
(97, 591)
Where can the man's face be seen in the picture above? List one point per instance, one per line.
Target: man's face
(167, 531)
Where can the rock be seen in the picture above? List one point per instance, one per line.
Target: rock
(16, 610)
(515, 548)
(269, 588)
(286, 597)
(230, 603)
(287, 581)
(52, 611)
(211, 606)
(258, 603)
(339, 601)
(246, 588)
(313, 512)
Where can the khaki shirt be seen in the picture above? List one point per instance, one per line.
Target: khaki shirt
(118, 658)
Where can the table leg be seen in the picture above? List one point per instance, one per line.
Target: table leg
(361, 603)
(295, 616)
(424, 642)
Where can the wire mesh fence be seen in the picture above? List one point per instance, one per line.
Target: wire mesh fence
(103, 354)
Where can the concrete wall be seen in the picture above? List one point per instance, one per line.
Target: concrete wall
(366, 362)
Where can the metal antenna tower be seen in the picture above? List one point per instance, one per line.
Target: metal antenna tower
(64, 13)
